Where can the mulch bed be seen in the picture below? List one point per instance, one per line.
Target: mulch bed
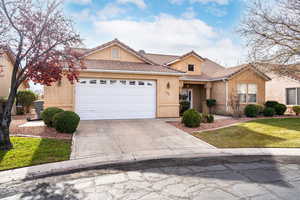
(39, 131)
(220, 123)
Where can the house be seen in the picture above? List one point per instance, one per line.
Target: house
(121, 83)
(7, 59)
(284, 89)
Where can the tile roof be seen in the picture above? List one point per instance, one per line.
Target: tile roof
(161, 59)
(127, 66)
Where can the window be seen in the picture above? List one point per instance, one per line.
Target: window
(93, 81)
(103, 82)
(247, 93)
(1, 70)
(149, 84)
(82, 82)
(191, 68)
(115, 54)
(293, 96)
(141, 83)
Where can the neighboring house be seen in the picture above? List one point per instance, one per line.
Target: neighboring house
(6, 68)
(284, 89)
(121, 83)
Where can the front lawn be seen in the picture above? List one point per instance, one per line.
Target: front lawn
(257, 134)
(34, 151)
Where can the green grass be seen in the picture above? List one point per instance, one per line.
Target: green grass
(34, 151)
(259, 133)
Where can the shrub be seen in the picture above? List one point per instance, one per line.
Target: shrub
(296, 109)
(269, 112)
(210, 118)
(66, 122)
(251, 110)
(260, 109)
(26, 98)
(280, 109)
(184, 106)
(271, 104)
(191, 118)
(48, 114)
(203, 117)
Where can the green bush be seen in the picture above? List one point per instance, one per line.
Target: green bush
(203, 117)
(251, 110)
(211, 102)
(210, 118)
(191, 118)
(48, 114)
(269, 112)
(66, 122)
(296, 109)
(260, 109)
(271, 104)
(280, 109)
(184, 106)
(26, 98)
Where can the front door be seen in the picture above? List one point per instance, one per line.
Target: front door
(187, 95)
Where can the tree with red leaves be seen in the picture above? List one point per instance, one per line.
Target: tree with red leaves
(40, 36)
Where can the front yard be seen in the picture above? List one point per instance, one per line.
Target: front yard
(274, 132)
(34, 151)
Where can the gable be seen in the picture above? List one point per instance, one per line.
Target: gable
(182, 65)
(106, 54)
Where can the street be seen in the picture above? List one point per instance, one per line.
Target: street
(264, 178)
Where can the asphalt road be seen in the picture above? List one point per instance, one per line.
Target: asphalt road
(264, 178)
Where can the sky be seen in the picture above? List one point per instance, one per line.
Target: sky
(164, 26)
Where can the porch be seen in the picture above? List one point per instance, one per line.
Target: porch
(196, 93)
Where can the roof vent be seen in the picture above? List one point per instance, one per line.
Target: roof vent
(142, 52)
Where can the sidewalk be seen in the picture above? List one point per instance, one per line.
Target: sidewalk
(93, 162)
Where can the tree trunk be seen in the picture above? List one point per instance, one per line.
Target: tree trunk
(5, 120)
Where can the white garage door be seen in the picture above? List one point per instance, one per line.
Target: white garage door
(115, 99)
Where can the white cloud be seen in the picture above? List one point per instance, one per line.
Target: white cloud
(138, 3)
(81, 1)
(110, 11)
(222, 2)
(178, 2)
(170, 35)
(189, 13)
(217, 11)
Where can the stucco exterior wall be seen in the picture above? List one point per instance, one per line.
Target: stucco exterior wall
(218, 92)
(182, 65)
(276, 88)
(5, 76)
(63, 95)
(248, 76)
(106, 54)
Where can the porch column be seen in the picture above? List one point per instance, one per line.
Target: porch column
(207, 87)
(208, 90)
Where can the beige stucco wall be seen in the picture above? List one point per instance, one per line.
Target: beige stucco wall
(182, 65)
(248, 76)
(218, 92)
(105, 54)
(167, 98)
(5, 77)
(276, 88)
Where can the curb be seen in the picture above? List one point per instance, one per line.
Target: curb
(71, 166)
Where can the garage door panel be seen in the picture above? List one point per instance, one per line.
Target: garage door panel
(116, 101)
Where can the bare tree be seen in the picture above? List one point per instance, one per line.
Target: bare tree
(235, 104)
(39, 35)
(272, 32)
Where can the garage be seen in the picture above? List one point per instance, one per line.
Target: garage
(115, 99)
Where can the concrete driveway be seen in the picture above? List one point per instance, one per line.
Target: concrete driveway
(135, 138)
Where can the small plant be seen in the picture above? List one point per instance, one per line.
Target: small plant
(26, 98)
(269, 112)
(48, 114)
(211, 103)
(210, 118)
(184, 106)
(271, 104)
(203, 117)
(191, 118)
(251, 110)
(296, 109)
(66, 122)
(280, 109)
